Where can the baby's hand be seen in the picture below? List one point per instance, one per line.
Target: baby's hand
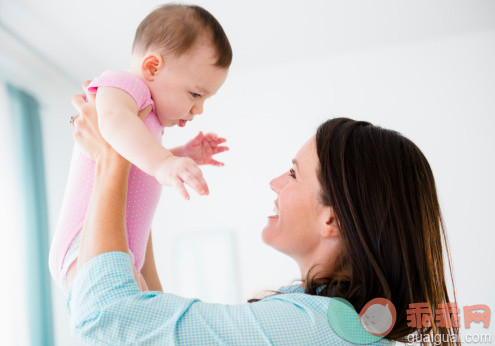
(202, 148)
(175, 171)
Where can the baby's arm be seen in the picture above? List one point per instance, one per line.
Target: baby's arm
(121, 127)
(125, 132)
(202, 148)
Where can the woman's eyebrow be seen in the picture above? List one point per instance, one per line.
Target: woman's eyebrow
(294, 161)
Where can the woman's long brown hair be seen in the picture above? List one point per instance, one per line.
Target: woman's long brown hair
(383, 194)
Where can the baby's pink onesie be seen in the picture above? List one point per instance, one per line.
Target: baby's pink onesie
(143, 190)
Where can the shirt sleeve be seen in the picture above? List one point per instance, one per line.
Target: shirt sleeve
(125, 81)
(107, 307)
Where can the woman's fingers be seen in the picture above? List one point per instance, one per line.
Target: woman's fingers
(86, 132)
(89, 96)
(78, 101)
(77, 121)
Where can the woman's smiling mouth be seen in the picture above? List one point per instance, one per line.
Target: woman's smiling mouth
(275, 210)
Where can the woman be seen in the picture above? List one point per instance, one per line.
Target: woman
(358, 212)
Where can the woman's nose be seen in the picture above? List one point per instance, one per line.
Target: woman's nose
(278, 183)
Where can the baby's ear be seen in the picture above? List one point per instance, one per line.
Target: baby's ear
(152, 62)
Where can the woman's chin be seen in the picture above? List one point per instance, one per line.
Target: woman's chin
(270, 229)
(264, 237)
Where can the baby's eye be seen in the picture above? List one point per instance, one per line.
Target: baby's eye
(195, 95)
(292, 173)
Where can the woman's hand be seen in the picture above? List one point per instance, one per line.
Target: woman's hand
(104, 226)
(86, 131)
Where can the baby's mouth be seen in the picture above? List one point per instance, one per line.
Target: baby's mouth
(182, 123)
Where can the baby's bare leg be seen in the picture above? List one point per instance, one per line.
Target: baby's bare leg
(142, 284)
(71, 273)
(139, 279)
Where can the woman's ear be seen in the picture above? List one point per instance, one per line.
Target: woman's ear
(151, 64)
(330, 226)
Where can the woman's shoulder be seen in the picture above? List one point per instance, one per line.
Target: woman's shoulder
(295, 295)
(317, 309)
(295, 288)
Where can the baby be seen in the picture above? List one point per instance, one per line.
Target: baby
(180, 57)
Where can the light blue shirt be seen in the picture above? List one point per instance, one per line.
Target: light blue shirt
(107, 308)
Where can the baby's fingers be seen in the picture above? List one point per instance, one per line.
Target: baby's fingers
(215, 142)
(197, 140)
(218, 150)
(216, 163)
(212, 135)
(193, 182)
(179, 186)
(197, 182)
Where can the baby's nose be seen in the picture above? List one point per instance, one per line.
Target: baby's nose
(197, 109)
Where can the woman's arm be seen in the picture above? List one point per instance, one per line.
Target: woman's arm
(104, 226)
(148, 271)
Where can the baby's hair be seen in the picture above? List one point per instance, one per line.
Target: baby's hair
(175, 28)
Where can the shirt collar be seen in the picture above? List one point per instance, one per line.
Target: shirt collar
(296, 288)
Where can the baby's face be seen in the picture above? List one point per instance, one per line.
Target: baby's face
(181, 86)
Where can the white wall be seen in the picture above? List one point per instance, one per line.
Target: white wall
(438, 92)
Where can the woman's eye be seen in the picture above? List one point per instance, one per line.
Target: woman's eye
(292, 173)
(195, 95)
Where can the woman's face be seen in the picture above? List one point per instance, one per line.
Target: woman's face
(296, 231)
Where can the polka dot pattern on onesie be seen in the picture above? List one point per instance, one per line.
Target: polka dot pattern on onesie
(143, 190)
